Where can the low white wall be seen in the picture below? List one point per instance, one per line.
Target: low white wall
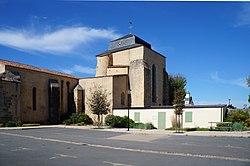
(200, 116)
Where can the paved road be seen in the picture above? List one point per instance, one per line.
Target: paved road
(59, 146)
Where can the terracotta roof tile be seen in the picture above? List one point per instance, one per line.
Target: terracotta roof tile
(28, 67)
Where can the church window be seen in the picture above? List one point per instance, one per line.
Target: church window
(122, 98)
(154, 83)
(34, 99)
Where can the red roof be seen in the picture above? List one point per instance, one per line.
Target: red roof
(28, 67)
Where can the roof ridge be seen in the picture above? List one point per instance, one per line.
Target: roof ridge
(34, 68)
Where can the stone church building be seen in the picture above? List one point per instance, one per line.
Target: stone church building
(129, 65)
(31, 94)
(129, 69)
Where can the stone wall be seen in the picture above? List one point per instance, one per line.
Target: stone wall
(40, 81)
(90, 84)
(153, 58)
(9, 100)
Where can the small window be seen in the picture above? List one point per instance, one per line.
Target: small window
(137, 116)
(34, 98)
(122, 98)
(188, 117)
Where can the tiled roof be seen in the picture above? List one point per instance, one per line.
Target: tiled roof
(119, 49)
(28, 67)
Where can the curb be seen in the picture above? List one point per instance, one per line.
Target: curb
(242, 134)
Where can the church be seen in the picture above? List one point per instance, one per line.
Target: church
(132, 74)
(129, 70)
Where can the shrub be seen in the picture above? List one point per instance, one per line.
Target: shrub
(109, 119)
(247, 122)
(118, 121)
(149, 126)
(12, 124)
(139, 125)
(76, 118)
(144, 126)
(237, 127)
(223, 125)
(67, 122)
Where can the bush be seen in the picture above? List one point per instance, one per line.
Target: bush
(12, 124)
(109, 119)
(76, 118)
(139, 125)
(224, 125)
(247, 122)
(149, 126)
(118, 121)
(237, 127)
(144, 126)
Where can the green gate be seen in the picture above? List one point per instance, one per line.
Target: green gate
(161, 120)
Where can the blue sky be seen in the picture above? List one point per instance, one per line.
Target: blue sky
(207, 42)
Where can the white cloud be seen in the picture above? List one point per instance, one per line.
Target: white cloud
(244, 16)
(79, 69)
(61, 41)
(239, 82)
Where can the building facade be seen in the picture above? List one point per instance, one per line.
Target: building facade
(31, 94)
(164, 117)
(129, 65)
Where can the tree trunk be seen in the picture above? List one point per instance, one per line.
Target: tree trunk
(98, 120)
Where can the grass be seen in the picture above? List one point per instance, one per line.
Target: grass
(30, 124)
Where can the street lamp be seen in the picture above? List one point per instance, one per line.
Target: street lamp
(129, 92)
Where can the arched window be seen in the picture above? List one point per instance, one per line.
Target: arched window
(154, 83)
(34, 99)
(122, 98)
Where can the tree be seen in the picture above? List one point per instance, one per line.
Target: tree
(98, 103)
(177, 95)
(175, 83)
(248, 81)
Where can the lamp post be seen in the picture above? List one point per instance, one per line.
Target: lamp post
(129, 92)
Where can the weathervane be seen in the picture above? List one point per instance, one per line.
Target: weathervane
(130, 27)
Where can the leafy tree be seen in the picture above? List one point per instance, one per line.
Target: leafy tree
(177, 95)
(177, 82)
(99, 103)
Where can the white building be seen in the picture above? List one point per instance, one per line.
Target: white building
(162, 117)
(188, 99)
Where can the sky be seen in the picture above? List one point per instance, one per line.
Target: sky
(206, 42)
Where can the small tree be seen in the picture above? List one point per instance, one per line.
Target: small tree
(177, 95)
(178, 106)
(98, 103)
(176, 82)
